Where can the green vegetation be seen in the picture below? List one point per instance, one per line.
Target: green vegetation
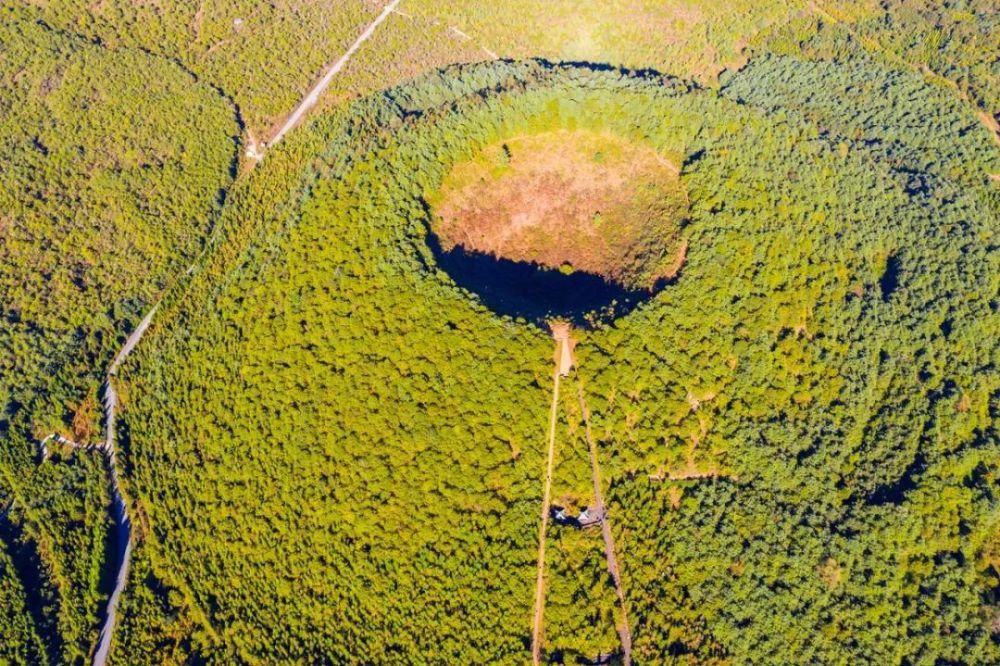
(262, 55)
(953, 43)
(853, 384)
(335, 453)
(802, 333)
(692, 38)
(98, 211)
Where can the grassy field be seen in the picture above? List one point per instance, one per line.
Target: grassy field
(570, 200)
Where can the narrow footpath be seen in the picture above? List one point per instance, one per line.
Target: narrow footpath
(624, 632)
(562, 340)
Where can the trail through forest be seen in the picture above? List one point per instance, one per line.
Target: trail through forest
(123, 524)
(609, 542)
(564, 362)
(536, 632)
(313, 95)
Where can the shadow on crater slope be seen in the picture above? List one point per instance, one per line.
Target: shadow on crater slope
(537, 293)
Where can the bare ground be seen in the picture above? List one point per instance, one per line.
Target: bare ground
(575, 200)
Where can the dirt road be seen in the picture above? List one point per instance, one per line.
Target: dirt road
(624, 633)
(538, 620)
(123, 524)
(313, 96)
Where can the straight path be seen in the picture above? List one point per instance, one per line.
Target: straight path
(624, 633)
(313, 96)
(536, 632)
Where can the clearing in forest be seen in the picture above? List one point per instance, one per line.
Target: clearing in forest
(571, 200)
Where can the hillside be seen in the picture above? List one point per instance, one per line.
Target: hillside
(763, 235)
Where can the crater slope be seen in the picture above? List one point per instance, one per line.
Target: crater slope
(336, 448)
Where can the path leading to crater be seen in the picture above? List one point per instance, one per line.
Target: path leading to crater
(564, 362)
(624, 633)
(538, 619)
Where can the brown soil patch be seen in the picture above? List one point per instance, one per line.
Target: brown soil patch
(572, 200)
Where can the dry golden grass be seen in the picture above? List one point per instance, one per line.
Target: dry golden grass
(575, 200)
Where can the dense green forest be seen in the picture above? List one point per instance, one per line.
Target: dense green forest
(326, 418)
(98, 211)
(262, 55)
(335, 453)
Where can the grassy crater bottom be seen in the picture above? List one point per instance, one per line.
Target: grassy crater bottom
(574, 200)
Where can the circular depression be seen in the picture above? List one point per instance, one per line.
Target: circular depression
(576, 224)
(561, 200)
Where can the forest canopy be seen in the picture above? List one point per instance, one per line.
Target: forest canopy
(99, 211)
(779, 426)
(773, 225)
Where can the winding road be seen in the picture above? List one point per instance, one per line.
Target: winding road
(123, 523)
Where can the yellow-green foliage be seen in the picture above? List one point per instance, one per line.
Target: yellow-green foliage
(263, 55)
(339, 452)
(111, 168)
(691, 38)
(99, 209)
(336, 454)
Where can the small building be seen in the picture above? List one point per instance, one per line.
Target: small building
(590, 517)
